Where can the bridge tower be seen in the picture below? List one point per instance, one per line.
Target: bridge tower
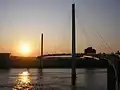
(73, 47)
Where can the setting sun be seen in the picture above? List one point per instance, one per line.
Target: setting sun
(24, 49)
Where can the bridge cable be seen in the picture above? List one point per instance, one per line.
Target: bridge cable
(106, 44)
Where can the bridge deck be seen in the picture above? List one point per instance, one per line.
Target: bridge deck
(61, 63)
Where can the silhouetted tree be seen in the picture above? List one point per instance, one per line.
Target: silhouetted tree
(89, 50)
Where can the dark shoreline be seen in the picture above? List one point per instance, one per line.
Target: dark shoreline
(60, 63)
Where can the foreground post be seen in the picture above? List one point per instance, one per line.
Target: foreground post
(41, 63)
(41, 51)
(111, 80)
(73, 47)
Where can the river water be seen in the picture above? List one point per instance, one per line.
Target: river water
(52, 79)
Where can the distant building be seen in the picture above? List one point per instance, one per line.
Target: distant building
(90, 50)
(5, 60)
(118, 52)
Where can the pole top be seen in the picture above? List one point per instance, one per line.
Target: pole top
(73, 2)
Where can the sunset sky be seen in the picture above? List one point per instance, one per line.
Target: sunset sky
(24, 21)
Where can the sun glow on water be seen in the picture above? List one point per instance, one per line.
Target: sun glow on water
(24, 77)
(23, 81)
(25, 73)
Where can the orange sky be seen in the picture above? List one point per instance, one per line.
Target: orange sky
(25, 20)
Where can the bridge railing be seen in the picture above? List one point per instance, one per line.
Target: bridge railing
(86, 62)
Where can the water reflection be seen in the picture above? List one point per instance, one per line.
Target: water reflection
(23, 81)
(55, 79)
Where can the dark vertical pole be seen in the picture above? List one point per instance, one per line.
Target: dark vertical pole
(42, 44)
(118, 70)
(41, 62)
(111, 82)
(73, 47)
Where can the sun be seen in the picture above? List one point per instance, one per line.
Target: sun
(25, 49)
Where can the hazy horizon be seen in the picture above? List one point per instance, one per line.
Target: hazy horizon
(25, 20)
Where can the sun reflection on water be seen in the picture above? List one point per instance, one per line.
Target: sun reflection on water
(23, 81)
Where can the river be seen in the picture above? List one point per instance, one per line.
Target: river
(52, 79)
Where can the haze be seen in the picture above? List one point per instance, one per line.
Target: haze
(25, 20)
